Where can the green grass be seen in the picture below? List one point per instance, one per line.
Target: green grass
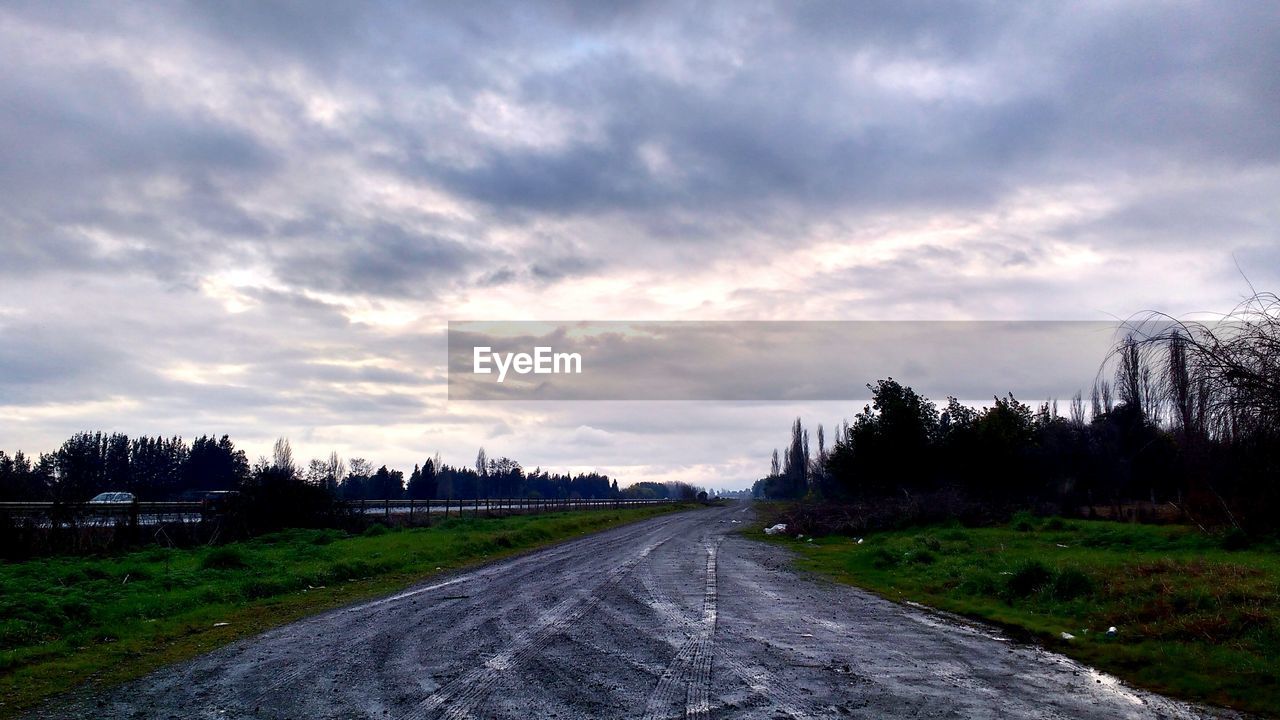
(1194, 619)
(67, 621)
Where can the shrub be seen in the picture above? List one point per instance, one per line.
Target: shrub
(929, 542)
(921, 557)
(227, 557)
(15, 633)
(1055, 523)
(375, 530)
(159, 554)
(882, 559)
(1236, 539)
(1027, 578)
(215, 594)
(76, 609)
(980, 583)
(1022, 522)
(263, 588)
(324, 537)
(351, 569)
(135, 573)
(1072, 583)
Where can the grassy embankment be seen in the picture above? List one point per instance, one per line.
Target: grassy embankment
(69, 620)
(1195, 619)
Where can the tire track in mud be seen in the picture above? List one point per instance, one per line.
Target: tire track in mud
(780, 697)
(522, 566)
(565, 560)
(690, 670)
(658, 602)
(368, 631)
(362, 637)
(461, 696)
(365, 610)
(697, 700)
(784, 696)
(765, 684)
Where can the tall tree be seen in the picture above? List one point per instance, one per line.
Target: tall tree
(282, 458)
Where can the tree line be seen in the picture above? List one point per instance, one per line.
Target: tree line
(1183, 415)
(158, 468)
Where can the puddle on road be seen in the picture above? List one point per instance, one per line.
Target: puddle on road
(1112, 685)
(930, 617)
(1099, 681)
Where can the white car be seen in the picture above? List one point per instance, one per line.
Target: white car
(112, 498)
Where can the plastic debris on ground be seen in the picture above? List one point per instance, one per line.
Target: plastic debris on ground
(1111, 631)
(1068, 636)
(776, 529)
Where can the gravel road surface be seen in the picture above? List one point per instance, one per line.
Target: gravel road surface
(676, 616)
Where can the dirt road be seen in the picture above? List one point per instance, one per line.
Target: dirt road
(673, 617)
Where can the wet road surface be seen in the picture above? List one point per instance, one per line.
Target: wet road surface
(676, 616)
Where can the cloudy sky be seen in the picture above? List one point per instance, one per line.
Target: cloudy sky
(257, 218)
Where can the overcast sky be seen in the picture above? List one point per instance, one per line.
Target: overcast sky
(257, 218)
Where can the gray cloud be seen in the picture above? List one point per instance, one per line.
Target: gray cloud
(746, 112)
(384, 259)
(260, 215)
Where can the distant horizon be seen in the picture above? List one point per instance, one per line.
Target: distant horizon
(762, 411)
(529, 464)
(259, 219)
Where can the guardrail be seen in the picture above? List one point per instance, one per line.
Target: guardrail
(56, 514)
(150, 513)
(125, 508)
(476, 506)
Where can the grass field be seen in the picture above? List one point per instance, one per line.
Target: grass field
(1194, 619)
(69, 620)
